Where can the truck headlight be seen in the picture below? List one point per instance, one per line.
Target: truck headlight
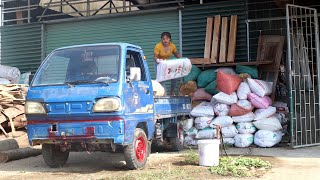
(107, 105)
(34, 108)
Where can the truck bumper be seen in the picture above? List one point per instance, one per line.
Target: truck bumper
(97, 131)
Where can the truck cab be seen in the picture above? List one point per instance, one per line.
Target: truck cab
(95, 97)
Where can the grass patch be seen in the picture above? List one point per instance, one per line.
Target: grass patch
(191, 157)
(239, 166)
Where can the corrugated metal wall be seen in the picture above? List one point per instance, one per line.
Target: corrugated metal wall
(194, 20)
(21, 46)
(143, 30)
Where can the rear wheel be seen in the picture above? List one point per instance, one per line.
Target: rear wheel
(136, 153)
(177, 142)
(53, 156)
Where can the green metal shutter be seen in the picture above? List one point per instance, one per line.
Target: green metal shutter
(143, 30)
(194, 21)
(21, 46)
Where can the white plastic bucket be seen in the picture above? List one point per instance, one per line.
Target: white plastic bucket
(208, 152)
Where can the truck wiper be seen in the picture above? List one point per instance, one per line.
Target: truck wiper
(70, 83)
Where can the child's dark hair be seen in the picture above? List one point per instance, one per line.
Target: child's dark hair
(166, 34)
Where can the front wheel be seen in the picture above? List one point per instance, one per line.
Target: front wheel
(53, 156)
(136, 153)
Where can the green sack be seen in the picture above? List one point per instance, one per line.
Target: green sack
(193, 75)
(212, 88)
(251, 70)
(206, 77)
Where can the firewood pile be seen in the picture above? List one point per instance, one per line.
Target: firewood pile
(12, 100)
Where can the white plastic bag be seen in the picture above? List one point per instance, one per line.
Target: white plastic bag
(264, 113)
(206, 133)
(221, 109)
(228, 141)
(4, 81)
(229, 131)
(269, 124)
(245, 104)
(10, 73)
(224, 98)
(223, 121)
(202, 122)
(244, 118)
(259, 87)
(226, 70)
(187, 124)
(246, 128)
(243, 140)
(158, 89)
(24, 78)
(264, 138)
(243, 90)
(172, 69)
(192, 132)
(202, 109)
(190, 141)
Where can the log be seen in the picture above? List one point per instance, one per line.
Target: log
(8, 144)
(16, 154)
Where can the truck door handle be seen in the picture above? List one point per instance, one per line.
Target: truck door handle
(147, 91)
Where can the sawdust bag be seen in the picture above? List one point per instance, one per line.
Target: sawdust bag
(251, 70)
(193, 75)
(158, 89)
(172, 69)
(188, 88)
(10, 73)
(227, 83)
(206, 77)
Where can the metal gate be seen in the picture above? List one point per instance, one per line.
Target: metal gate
(304, 75)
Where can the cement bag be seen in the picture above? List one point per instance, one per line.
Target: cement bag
(201, 95)
(24, 78)
(172, 69)
(227, 70)
(224, 98)
(202, 122)
(269, 124)
(202, 109)
(193, 75)
(190, 141)
(259, 102)
(240, 108)
(10, 73)
(243, 140)
(246, 128)
(192, 132)
(244, 118)
(158, 89)
(264, 138)
(228, 141)
(212, 88)
(229, 131)
(4, 81)
(206, 77)
(223, 121)
(207, 133)
(221, 109)
(188, 89)
(259, 87)
(227, 83)
(251, 70)
(243, 90)
(264, 113)
(187, 124)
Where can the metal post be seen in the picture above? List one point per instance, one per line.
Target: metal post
(42, 42)
(124, 6)
(29, 11)
(88, 8)
(248, 41)
(318, 53)
(180, 32)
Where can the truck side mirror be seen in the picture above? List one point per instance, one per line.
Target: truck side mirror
(30, 78)
(135, 74)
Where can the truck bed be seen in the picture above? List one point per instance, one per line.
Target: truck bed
(171, 106)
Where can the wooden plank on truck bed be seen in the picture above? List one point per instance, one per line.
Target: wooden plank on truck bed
(224, 40)
(232, 38)
(215, 39)
(207, 46)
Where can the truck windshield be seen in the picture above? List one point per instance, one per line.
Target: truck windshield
(80, 65)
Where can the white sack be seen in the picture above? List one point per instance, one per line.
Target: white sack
(190, 141)
(264, 138)
(207, 133)
(259, 87)
(245, 104)
(202, 109)
(226, 70)
(187, 124)
(243, 140)
(172, 69)
(264, 113)
(243, 90)
(246, 128)
(244, 118)
(4, 81)
(10, 73)
(228, 141)
(221, 109)
(202, 122)
(270, 124)
(229, 131)
(223, 121)
(224, 98)
(158, 89)
(192, 132)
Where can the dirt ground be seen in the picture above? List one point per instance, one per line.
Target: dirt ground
(162, 165)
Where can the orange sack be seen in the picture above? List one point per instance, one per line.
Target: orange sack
(227, 83)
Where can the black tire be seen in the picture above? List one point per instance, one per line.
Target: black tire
(176, 143)
(53, 157)
(136, 154)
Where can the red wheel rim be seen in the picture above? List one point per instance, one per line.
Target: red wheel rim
(140, 149)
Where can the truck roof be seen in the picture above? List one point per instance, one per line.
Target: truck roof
(123, 45)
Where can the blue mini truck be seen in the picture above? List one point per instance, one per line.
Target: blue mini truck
(99, 97)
